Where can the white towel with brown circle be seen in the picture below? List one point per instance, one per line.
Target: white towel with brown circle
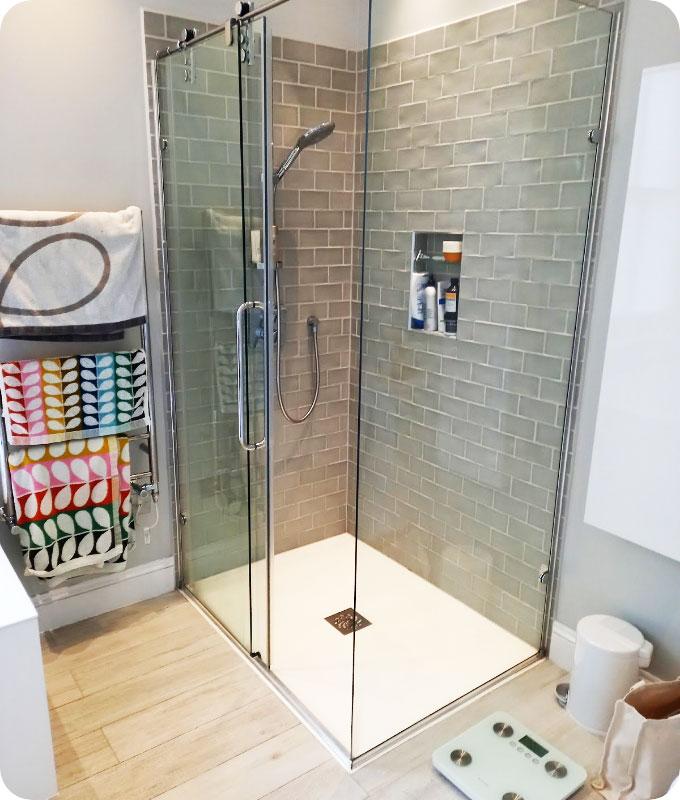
(70, 273)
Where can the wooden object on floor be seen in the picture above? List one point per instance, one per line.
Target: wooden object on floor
(153, 702)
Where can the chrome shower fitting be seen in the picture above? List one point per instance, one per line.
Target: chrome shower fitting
(313, 325)
(307, 139)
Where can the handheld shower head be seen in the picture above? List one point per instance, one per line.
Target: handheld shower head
(307, 139)
(315, 135)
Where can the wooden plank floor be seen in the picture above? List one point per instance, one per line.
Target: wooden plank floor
(152, 702)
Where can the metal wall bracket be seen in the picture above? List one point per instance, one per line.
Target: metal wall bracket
(243, 7)
(8, 518)
(145, 490)
(188, 35)
(595, 136)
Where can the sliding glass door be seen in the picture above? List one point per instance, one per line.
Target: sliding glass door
(210, 102)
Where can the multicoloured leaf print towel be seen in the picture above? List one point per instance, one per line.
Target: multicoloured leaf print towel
(59, 399)
(73, 506)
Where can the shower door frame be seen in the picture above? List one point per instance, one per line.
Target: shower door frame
(588, 270)
(581, 327)
(261, 661)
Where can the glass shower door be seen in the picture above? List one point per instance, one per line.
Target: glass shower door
(217, 323)
(483, 139)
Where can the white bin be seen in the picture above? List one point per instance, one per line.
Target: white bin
(609, 655)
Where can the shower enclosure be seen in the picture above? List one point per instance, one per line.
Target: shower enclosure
(367, 508)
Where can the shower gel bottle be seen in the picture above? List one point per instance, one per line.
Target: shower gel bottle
(431, 305)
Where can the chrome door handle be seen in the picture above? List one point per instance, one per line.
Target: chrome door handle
(240, 376)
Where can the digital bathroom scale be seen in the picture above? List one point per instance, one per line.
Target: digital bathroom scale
(501, 759)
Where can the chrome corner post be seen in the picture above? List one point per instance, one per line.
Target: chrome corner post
(588, 268)
(269, 232)
(178, 520)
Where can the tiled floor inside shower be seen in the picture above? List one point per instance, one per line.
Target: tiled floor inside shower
(422, 650)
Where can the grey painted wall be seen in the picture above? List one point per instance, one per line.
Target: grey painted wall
(601, 573)
(76, 138)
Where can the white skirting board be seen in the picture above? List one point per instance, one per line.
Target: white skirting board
(67, 604)
(562, 646)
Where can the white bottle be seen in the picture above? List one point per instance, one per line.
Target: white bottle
(431, 315)
(417, 301)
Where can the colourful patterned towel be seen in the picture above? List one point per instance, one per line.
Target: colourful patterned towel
(76, 397)
(73, 506)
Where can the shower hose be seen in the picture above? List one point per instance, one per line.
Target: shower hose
(313, 325)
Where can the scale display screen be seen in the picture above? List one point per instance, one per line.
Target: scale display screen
(534, 746)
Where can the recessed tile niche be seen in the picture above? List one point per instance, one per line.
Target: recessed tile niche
(428, 257)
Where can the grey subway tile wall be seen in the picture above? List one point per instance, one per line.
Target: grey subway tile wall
(314, 202)
(479, 129)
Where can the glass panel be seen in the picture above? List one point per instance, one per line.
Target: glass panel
(478, 134)
(199, 100)
(314, 82)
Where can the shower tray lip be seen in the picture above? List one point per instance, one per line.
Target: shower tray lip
(322, 734)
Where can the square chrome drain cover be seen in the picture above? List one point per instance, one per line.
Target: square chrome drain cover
(348, 621)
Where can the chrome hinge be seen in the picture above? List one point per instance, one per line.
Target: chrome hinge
(244, 44)
(183, 518)
(188, 35)
(595, 136)
(164, 144)
(544, 574)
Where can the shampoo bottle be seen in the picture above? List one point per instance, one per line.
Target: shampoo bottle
(431, 313)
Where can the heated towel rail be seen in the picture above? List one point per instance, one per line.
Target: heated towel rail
(144, 483)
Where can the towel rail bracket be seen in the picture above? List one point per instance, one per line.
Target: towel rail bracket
(145, 490)
(7, 516)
